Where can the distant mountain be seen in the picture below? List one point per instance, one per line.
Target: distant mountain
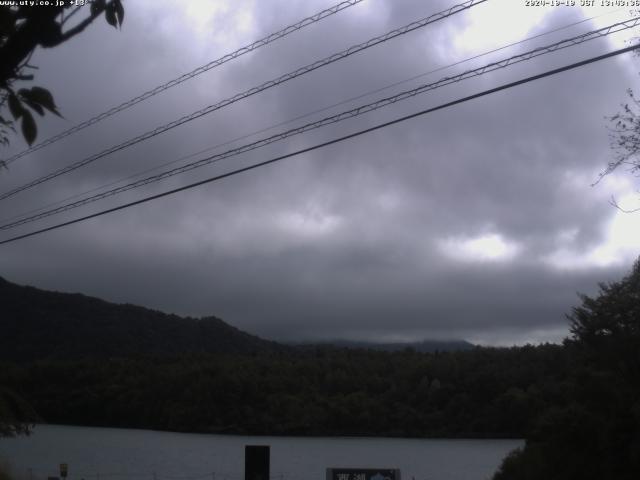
(424, 346)
(38, 324)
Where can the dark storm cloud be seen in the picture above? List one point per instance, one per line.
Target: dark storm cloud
(364, 239)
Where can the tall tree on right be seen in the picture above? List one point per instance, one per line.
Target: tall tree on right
(625, 134)
(625, 140)
(594, 430)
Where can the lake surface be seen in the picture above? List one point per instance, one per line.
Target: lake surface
(122, 454)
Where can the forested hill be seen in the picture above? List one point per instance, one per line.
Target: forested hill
(39, 324)
(577, 404)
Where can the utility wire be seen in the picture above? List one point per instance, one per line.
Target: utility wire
(617, 27)
(443, 106)
(240, 96)
(299, 117)
(187, 76)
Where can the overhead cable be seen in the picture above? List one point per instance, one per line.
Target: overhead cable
(617, 27)
(187, 76)
(299, 117)
(240, 96)
(325, 144)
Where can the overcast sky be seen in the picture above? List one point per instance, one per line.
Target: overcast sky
(477, 222)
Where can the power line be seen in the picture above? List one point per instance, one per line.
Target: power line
(240, 96)
(506, 86)
(617, 27)
(336, 118)
(308, 114)
(187, 76)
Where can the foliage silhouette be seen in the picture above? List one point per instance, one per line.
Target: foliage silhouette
(597, 433)
(22, 30)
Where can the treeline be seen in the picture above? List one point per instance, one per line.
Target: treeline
(485, 392)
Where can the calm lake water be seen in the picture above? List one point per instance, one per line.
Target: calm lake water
(121, 454)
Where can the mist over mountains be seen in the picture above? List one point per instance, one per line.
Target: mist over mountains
(40, 324)
(424, 346)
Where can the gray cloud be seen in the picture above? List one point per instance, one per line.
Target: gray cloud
(356, 240)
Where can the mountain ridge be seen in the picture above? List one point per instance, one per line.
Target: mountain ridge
(43, 324)
(38, 324)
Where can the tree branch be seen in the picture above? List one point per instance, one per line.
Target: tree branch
(84, 24)
(66, 19)
(614, 203)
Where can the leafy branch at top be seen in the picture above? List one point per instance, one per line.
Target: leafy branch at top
(22, 30)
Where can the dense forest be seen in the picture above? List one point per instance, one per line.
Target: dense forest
(327, 391)
(79, 360)
(577, 404)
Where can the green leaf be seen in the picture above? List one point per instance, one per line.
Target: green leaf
(35, 106)
(110, 15)
(26, 98)
(15, 106)
(40, 96)
(119, 11)
(29, 129)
